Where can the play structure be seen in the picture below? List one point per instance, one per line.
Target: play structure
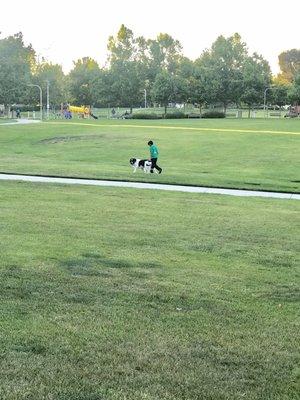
(83, 111)
(80, 110)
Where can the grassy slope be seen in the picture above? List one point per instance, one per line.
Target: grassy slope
(221, 157)
(125, 294)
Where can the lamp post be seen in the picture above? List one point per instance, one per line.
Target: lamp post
(48, 105)
(145, 92)
(41, 98)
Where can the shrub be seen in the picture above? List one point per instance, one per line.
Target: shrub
(213, 114)
(25, 108)
(193, 115)
(175, 115)
(146, 116)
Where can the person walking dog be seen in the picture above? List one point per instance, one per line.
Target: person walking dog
(154, 157)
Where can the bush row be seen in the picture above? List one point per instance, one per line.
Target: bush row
(179, 115)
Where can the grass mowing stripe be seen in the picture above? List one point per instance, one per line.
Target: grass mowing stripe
(180, 128)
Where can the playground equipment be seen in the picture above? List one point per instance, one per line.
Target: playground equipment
(67, 110)
(80, 110)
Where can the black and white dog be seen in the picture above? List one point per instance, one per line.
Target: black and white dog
(136, 163)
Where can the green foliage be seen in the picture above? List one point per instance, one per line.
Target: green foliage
(224, 73)
(294, 91)
(146, 116)
(255, 78)
(25, 108)
(17, 62)
(213, 114)
(289, 62)
(81, 81)
(175, 115)
(52, 73)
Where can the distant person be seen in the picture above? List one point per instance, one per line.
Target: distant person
(18, 113)
(113, 112)
(154, 157)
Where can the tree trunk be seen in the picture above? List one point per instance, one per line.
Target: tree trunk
(249, 110)
(165, 110)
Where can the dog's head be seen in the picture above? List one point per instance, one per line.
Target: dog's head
(132, 161)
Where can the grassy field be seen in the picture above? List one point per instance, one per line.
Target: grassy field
(119, 294)
(262, 155)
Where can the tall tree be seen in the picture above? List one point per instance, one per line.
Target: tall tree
(16, 64)
(166, 89)
(256, 75)
(121, 47)
(85, 73)
(289, 63)
(52, 73)
(128, 64)
(294, 91)
(165, 53)
(222, 66)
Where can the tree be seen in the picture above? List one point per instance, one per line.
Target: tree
(289, 62)
(81, 81)
(165, 89)
(165, 53)
(294, 91)
(256, 75)
(222, 66)
(52, 73)
(126, 84)
(121, 47)
(17, 62)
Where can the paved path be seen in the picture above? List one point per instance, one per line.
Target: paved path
(153, 186)
(21, 121)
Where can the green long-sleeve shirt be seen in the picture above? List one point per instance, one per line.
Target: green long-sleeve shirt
(153, 151)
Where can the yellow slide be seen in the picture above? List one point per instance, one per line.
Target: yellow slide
(81, 110)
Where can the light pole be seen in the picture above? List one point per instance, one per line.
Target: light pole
(265, 97)
(41, 98)
(145, 92)
(48, 106)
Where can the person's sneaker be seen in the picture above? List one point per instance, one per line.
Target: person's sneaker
(160, 171)
(151, 171)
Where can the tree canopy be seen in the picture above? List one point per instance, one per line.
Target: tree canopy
(223, 74)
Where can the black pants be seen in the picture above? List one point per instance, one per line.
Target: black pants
(154, 165)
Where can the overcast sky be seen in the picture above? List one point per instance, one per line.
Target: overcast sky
(63, 31)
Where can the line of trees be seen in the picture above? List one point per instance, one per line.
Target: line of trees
(224, 74)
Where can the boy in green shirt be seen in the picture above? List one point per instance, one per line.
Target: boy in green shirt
(154, 157)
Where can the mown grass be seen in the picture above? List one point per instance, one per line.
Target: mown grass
(254, 154)
(125, 294)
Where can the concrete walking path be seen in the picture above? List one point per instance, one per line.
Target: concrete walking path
(153, 186)
(21, 121)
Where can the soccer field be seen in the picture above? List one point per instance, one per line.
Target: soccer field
(247, 154)
(124, 294)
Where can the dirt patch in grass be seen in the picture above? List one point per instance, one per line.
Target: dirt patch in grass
(67, 139)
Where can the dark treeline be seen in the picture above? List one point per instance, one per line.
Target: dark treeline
(224, 74)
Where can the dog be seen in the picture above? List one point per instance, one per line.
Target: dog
(145, 165)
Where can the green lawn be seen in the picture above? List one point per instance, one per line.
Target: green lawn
(6, 120)
(120, 294)
(250, 154)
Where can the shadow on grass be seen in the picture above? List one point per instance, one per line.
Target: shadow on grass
(92, 264)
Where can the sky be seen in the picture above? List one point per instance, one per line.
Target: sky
(64, 31)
